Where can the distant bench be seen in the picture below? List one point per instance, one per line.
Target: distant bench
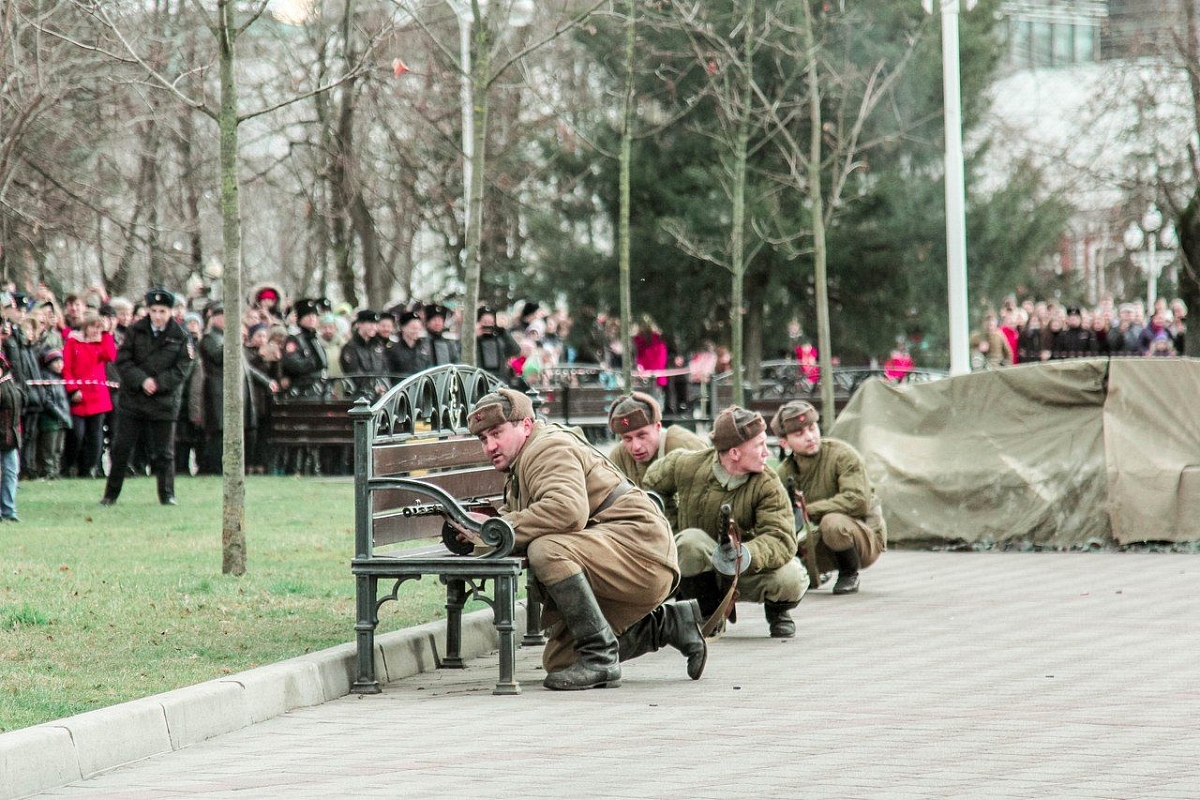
(416, 466)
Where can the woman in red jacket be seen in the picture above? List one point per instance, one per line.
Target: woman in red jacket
(85, 353)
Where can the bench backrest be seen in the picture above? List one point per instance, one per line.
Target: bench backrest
(419, 430)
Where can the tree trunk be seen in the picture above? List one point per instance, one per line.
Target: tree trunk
(623, 221)
(817, 211)
(738, 233)
(481, 66)
(233, 480)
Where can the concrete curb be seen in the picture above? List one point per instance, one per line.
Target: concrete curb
(56, 753)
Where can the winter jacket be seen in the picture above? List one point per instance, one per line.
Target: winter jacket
(84, 371)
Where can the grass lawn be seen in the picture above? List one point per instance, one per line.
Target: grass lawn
(103, 605)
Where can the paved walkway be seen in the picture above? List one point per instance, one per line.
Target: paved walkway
(949, 675)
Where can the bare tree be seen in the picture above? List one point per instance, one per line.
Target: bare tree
(227, 26)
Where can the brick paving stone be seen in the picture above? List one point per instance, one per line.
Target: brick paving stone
(973, 675)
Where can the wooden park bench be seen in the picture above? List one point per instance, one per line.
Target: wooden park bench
(416, 466)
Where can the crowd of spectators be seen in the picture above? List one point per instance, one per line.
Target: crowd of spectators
(60, 354)
(1033, 331)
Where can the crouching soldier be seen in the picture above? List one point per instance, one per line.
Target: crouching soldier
(733, 472)
(636, 419)
(846, 530)
(597, 544)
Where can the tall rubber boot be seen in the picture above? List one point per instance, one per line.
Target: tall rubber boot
(596, 647)
(848, 565)
(779, 620)
(676, 624)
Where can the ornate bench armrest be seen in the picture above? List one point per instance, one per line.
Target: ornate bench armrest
(494, 532)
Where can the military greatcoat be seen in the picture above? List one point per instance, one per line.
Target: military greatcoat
(555, 486)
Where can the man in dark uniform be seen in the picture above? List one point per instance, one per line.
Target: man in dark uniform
(304, 360)
(154, 362)
(494, 346)
(1075, 341)
(441, 349)
(409, 353)
(363, 357)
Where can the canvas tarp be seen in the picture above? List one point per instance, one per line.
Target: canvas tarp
(1060, 453)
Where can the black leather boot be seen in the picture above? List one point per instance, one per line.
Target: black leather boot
(596, 647)
(848, 565)
(676, 624)
(779, 620)
(703, 589)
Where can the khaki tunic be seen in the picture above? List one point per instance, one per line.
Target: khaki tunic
(626, 551)
(673, 438)
(760, 505)
(761, 508)
(841, 502)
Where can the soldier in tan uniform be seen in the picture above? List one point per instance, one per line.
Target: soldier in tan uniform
(636, 419)
(734, 471)
(597, 544)
(847, 528)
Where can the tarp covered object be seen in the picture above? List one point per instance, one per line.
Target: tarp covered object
(1058, 453)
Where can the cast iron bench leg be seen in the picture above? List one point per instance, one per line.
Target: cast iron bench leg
(505, 620)
(365, 634)
(455, 600)
(533, 613)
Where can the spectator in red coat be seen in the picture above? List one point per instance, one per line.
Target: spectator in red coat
(899, 363)
(650, 349)
(85, 353)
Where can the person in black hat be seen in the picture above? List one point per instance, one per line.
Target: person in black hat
(362, 359)
(154, 362)
(494, 346)
(442, 350)
(304, 360)
(409, 353)
(1075, 340)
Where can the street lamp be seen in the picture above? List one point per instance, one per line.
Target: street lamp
(1150, 233)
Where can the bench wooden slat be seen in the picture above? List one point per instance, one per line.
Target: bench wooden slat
(431, 454)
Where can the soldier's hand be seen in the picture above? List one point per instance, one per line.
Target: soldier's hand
(149, 386)
(466, 535)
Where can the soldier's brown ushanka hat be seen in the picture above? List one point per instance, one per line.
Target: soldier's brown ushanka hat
(795, 415)
(632, 411)
(495, 408)
(735, 425)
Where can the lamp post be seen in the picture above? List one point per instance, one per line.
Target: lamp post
(956, 221)
(1150, 233)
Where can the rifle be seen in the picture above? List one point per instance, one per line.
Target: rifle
(805, 549)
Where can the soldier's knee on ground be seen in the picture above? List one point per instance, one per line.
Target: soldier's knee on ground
(695, 548)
